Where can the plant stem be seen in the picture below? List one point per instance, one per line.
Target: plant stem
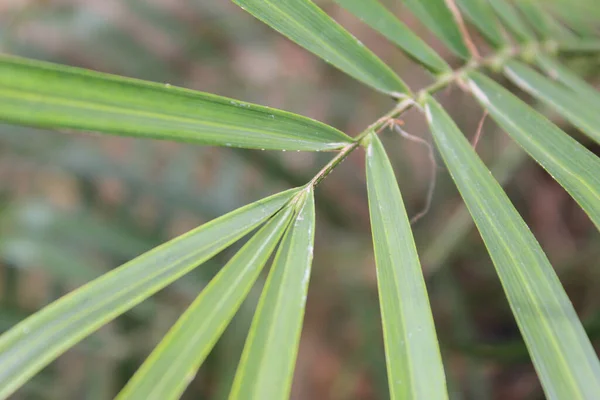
(494, 61)
(464, 32)
(345, 151)
(326, 170)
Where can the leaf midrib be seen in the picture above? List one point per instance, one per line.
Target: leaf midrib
(515, 231)
(90, 310)
(532, 140)
(133, 112)
(395, 274)
(210, 317)
(278, 302)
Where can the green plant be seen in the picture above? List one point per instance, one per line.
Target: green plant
(46, 95)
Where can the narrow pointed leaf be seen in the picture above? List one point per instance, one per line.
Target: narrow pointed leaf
(512, 20)
(414, 364)
(374, 14)
(571, 164)
(567, 77)
(561, 352)
(535, 16)
(545, 25)
(480, 13)
(39, 339)
(171, 366)
(306, 24)
(436, 16)
(579, 112)
(581, 26)
(54, 96)
(267, 364)
(581, 18)
(455, 229)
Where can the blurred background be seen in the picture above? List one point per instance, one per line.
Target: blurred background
(73, 206)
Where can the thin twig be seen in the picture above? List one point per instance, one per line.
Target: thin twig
(433, 171)
(377, 126)
(479, 130)
(326, 170)
(406, 104)
(463, 29)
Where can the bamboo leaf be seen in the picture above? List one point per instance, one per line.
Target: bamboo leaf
(436, 16)
(562, 74)
(267, 364)
(561, 352)
(571, 164)
(174, 362)
(579, 112)
(482, 16)
(535, 16)
(39, 339)
(455, 229)
(582, 18)
(306, 24)
(542, 21)
(414, 364)
(54, 96)
(512, 20)
(374, 14)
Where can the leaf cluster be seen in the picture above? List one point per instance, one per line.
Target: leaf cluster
(523, 40)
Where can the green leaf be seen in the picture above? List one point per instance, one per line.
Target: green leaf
(542, 21)
(39, 339)
(582, 18)
(512, 20)
(562, 74)
(374, 14)
(482, 16)
(267, 364)
(414, 364)
(571, 164)
(436, 16)
(452, 234)
(580, 46)
(562, 354)
(306, 24)
(579, 112)
(54, 96)
(535, 16)
(174, 362)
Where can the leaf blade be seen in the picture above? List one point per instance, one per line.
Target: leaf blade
(562, 354)
(564, 75)
(374, 14)
(581, 19)
(460, 222)
(307, 25)
(52, 96)
(436, 16)
(166, 372)
(543, 23)
(512, 20)
(480, 13)
(267, 364)
(571, 164)
(536, 18)
(39, 339)
(413, 359)
(566, 102)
